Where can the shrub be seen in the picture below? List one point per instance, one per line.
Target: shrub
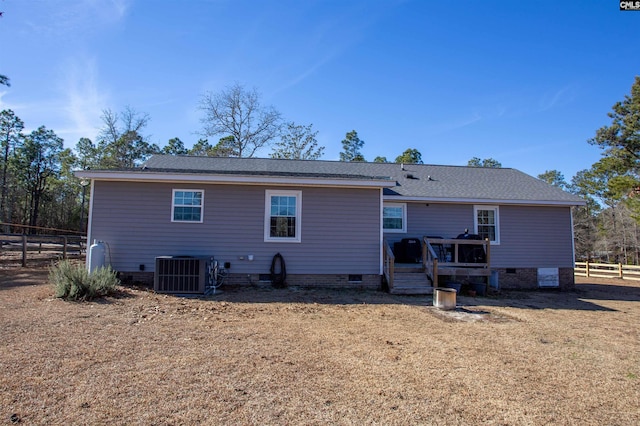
(74, 282)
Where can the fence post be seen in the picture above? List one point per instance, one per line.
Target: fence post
(64, 247)
(24, 250)
(620, 270)
(586, 267)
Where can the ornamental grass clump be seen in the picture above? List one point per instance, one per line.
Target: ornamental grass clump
(74, 282)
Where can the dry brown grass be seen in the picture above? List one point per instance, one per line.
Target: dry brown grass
(265, 356)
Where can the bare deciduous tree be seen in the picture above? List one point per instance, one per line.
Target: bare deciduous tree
(121, 143)
(237, 112)
(116, 125)
(297, 143)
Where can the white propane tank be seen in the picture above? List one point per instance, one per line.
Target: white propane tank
(96, 256)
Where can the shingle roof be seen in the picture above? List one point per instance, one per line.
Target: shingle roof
(413, 181)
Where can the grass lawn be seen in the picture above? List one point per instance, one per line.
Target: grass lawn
(289, 356)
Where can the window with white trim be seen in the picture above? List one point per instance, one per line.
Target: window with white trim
(187, 205)
(283, 211)
(487, 223)
(394, 217)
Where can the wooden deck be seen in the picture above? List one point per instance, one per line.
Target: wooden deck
(456, 257)
(459, 258)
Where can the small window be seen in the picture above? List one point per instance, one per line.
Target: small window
(394, 217)
(282, 216)
(486, 222)
(187, 205)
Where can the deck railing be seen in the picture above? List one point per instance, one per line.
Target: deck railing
(443, 257)
(388, 261)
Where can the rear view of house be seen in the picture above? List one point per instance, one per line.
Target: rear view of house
(329, 221)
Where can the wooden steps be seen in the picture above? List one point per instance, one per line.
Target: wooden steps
(411, 283)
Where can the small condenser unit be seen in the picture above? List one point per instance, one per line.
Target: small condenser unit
(180, 274)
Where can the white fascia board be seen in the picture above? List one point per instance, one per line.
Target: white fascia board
(483, 201)
(229, 179)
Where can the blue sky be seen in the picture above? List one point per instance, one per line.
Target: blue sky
(526, 83)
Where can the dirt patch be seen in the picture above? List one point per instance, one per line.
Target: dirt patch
(266, 356)
(468, 315)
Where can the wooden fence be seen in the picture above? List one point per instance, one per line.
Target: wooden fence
(22, 247)
(607, 270)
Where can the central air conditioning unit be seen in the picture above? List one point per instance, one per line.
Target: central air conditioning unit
(181, 274)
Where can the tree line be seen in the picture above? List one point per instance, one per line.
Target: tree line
(607, 228)
(39, 188)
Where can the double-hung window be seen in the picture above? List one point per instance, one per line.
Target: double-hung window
(486, 223)
(282, 220)
(187, 205)
(394, 217)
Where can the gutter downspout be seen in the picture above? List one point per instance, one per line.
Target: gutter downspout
(381, 272)
(89, 221)
(573, 239)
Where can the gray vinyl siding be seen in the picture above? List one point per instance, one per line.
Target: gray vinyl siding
(534, 237)
(530, 236)
(340, 228)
